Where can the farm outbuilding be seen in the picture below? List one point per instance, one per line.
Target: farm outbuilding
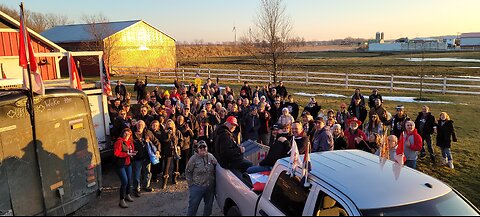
(9, 42)
(126, 44)
(470, 40)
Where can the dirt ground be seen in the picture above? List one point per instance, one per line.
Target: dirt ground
(170, 202)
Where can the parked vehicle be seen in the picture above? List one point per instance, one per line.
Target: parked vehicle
(342, 183)
(62, 172)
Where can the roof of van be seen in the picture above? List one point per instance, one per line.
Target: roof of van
(373, 183)
(13, 95)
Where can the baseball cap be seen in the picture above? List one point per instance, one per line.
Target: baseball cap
(232, 120)
(201, 144)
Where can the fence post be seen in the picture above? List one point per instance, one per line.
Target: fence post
(444, 91)
(346, 80)
(306, 77)
(391, 84)
(209, 73)
(183, 74)
(239, 77)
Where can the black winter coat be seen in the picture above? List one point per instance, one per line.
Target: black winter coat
(340, 143)
(429, 124)
(445, 134)
(141, 146)
(363, 112)
(278, 150)
(227, 151)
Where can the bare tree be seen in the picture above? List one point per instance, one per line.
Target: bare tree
(270, 39)
(101, 33)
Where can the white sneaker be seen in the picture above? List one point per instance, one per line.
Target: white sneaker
(444, 161)
(450, 164)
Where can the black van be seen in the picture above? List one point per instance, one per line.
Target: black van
(68, 164)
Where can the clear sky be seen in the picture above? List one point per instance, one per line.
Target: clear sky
(213, 20)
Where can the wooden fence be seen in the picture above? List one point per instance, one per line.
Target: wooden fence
(426, 83)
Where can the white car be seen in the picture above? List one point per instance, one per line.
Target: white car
(343, 183)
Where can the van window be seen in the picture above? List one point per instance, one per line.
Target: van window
(289, 195)
(327, 206)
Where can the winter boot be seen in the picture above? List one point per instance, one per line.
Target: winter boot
(450, 164)
(136, 193)
(123, 204)
(165, 180)
(128, 198)
(175, 178)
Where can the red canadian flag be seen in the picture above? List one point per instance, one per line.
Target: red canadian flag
(74, 76)
(28, 61)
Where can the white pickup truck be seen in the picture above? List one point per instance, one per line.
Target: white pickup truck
(343, 183)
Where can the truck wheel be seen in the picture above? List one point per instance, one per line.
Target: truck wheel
(234, 211)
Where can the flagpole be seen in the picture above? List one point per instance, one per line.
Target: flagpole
(31, 108)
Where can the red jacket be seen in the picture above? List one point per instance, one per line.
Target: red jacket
(120, 152)
(416, 146)
(351, 138)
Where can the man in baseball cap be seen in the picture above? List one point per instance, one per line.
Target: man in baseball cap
(228, 153)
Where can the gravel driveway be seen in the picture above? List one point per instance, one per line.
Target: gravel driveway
(170, 202)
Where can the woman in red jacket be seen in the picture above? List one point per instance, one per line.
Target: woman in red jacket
(123, 151)
(409, 144)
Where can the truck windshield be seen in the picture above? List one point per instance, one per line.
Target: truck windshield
(448, 205)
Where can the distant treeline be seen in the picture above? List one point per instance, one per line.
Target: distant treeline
(38, 22)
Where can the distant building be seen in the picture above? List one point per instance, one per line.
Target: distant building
(470, 40)
(128, 44)
(406, 45)
(9, 42)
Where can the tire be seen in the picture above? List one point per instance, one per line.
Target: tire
(234, 211)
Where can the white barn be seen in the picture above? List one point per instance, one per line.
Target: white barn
(470, 40)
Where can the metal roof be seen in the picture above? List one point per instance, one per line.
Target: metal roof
(470, 35)
(371, 182)
(81, 33)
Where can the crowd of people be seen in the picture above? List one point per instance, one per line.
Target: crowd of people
(192, 128)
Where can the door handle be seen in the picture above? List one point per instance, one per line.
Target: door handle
(262, 213)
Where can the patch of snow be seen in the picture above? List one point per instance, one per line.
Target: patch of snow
(333, 95)
(385, 98)
(474, 77)
(470, 67)
(412, 100)
(441, 60)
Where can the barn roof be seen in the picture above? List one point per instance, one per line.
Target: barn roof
(82, 32)
(470, 35)
(32, 33)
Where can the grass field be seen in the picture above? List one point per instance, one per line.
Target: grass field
(466, 176)
(355, 62)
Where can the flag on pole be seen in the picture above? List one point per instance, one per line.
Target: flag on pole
(294, 158)
(74, 77)
(307, 166)
(27, 60)
(4, 76)
(107, 89)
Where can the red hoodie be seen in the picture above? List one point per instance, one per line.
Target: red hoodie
(416, 146)
(118, 149)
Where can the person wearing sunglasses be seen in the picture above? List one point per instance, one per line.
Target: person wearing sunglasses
(200, 174)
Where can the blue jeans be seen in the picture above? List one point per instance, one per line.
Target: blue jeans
(428, 139)
(447, 154)
(125, 175)
(197, 193)
(412, 164)
(258, 169)
(142, 174)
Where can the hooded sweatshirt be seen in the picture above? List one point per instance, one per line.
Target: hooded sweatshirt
(415, 141)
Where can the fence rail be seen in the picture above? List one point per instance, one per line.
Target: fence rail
(426, 83)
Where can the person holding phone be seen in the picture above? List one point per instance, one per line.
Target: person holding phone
(124, 150)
